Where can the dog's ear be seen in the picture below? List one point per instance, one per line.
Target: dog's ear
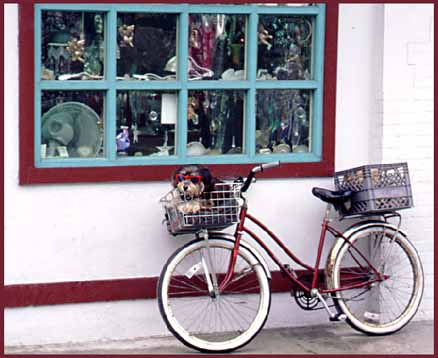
(207, 179)
(173, 178)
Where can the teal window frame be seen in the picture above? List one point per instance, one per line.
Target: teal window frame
(182, 85)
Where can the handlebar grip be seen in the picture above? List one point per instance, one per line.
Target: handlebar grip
(262, 167)
(270, 165)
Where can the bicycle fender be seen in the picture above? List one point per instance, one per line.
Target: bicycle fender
(331, 257)
(247, 246)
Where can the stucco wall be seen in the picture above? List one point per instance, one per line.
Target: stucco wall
(102, 231)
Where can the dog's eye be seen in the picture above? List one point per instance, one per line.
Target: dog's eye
(179, 178)
(195, 180)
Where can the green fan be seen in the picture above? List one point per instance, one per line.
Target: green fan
(73, 126)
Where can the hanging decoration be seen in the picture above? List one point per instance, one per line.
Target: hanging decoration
(264, 36)
(126, 33)
(76, 49)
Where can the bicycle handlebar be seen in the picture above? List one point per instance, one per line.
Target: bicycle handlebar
(252, 173)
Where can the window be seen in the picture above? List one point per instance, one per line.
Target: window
(128, 92)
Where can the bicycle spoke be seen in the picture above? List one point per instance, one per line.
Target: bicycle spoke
(186, 284)
(221, 318)
(386, 302)
(236, 312)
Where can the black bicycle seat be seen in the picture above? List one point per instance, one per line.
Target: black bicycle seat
(332, 197)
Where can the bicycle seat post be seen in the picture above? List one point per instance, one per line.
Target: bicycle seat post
(328, 210)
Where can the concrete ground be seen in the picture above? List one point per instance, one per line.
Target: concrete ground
(336, 338)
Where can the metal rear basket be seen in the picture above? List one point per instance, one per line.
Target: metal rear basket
(219, 209)
(376, 188)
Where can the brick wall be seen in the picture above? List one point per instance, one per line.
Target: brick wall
(407, 123)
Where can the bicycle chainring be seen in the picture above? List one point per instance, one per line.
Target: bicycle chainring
(305, 301)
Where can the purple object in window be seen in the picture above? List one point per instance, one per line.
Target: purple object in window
(122, 140)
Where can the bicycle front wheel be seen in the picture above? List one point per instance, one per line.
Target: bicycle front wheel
(213, 324)
(381, 306)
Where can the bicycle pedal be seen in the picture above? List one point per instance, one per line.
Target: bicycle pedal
(338, 317)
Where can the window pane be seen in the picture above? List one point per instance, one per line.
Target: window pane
(215, 122)
(217, 47)
(146, 46)
(283, 121)
(72, 124)
(73, 45)
(285, 47)
(146, 123)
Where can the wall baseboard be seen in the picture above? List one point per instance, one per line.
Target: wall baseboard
(56, 293)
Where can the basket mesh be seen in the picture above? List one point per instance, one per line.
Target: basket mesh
(376, 188)
(218, 209)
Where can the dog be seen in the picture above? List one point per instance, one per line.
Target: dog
(193, 183)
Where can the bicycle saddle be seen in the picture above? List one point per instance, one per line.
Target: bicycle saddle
(333, 197)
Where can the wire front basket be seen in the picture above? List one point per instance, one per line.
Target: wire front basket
(215, 209)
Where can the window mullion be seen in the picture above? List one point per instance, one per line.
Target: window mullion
(318, 70)
(318, 51)
(37, 79)
(182, 54)
(111, 71)
(290, 10)
(250, 123)
(287, 84)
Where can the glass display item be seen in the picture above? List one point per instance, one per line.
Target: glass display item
(146, 46)
(146, 123)
(72, 124)
(215, 122)
(283, 121)
(72, 45)
(217, 47)
(285, 47)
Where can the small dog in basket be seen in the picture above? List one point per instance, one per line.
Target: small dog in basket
(192, 181)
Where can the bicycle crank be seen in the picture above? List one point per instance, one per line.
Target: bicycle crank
(332, 316)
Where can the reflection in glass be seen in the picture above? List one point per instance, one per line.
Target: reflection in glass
(146, 46)
(72, 45)
(146, 123)
(284, 47)
(217, 47)
(215, 122)
(72, 124)
(283, 121)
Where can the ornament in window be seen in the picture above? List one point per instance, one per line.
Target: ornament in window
(76, 48)
(126, 33)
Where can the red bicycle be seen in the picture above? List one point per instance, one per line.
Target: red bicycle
(214, 292)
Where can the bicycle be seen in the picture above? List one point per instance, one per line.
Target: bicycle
(214, 292)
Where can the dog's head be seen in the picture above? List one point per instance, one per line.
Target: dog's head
(192, 181)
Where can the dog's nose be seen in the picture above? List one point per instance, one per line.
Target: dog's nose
(186, 187)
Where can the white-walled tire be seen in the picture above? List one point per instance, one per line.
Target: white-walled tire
(220, 324)
(382, 307)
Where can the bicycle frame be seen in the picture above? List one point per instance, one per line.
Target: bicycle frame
(314, 270)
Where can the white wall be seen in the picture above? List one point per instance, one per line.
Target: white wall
(408, 120)
(102, 231)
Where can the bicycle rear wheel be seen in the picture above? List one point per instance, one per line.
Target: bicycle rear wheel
(380, 307)
(213, 324)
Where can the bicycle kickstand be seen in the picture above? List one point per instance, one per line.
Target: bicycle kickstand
(332, 316)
